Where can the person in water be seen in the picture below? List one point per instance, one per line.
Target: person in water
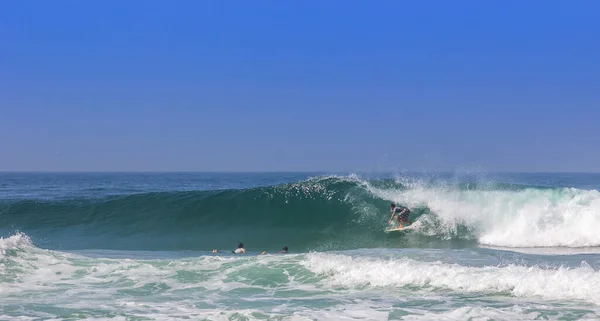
(240, 249)
(401, 214)
(283, 250)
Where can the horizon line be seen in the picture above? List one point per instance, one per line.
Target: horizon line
(284, 171)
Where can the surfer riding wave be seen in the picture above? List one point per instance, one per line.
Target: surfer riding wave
(401, 214)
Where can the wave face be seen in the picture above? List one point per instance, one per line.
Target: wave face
(323, 213)
(308, 214)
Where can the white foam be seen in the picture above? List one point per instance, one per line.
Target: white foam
(13, 242)
(532, 217)
(485, 313)
(322, 286)
(580, 283)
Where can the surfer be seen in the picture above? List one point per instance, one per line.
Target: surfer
(240, 249)
(401, 214)
(283, 251)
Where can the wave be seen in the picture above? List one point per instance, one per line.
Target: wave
(506, 216)
(555, 283)
(308, 214)
(29, 268)
(322, 213)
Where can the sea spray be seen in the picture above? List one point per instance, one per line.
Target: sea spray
(510, 216)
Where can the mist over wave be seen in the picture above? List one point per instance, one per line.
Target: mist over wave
(322, 213)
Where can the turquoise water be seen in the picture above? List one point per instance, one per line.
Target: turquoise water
(96, 246)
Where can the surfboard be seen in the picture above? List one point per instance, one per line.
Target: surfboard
(414, 225)
(397, 229)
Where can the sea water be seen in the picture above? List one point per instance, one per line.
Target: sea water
(138, 246)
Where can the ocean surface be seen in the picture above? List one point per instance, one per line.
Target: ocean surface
(138, 246)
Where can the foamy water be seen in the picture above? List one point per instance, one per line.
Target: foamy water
(528, 217)
(379, 284)
(138, 247)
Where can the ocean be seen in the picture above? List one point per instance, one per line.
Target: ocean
(139, 246)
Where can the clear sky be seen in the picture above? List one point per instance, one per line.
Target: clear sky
(300, 85)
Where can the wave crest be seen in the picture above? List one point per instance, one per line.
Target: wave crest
(322, 213)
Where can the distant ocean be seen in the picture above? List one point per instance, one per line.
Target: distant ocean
(137, 246)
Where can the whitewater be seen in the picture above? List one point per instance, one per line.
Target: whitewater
(512, 217)
(138, 246)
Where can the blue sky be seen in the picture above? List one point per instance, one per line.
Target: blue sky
(300, 85)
